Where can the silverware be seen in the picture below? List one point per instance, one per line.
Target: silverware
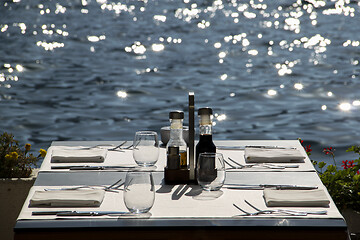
(240, 166)
(291, 212)
(250, 146)
(87, 167)
(247, 213)
(264, 165)
(232, 166)
(263, 186)
(79, 213)
(112, 185)
(110, 188)
(91, 147)
(69, 188)
(268, 212)
(117, 147)
(100, 167)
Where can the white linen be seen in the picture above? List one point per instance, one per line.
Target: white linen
(68, 198)
(125, 157)
(113, 158)
(264, 155)
(295, 198)
(59, 155)
(180, 201)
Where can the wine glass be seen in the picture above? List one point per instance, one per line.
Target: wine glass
(139, 191)
(211, 171)
(146, 148)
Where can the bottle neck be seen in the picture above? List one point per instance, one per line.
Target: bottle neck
(205, 129)
(176, 129)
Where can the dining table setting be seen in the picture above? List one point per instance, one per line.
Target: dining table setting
(87, 189)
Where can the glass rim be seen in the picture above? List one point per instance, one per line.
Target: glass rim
(139, 170)
(146, 132)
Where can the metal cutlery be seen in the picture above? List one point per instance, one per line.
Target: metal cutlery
(88, 167)
(99, 167)
(240, 166)
(264, 165)
(118, 147)
(247, 213)
(242, 148)
(287, 211)
(110, 188)
(79, 213)
(263, 186)
(112, 185)
(259, 212)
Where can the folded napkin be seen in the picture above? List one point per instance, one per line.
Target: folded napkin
(264, 155)
(295, 198)
(78, 155)
(68, 198)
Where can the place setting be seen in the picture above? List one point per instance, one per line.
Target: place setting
(265, 158)
(281, 200)
(134, 197)
(144, 151)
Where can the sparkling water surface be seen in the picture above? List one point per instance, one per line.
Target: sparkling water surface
(102, 70)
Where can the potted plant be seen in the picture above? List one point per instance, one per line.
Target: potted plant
(17, 175)
(343, 184)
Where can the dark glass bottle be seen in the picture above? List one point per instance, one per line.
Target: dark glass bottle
(205, 143)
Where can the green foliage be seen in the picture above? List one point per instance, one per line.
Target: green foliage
(14, 161)
(342, 184)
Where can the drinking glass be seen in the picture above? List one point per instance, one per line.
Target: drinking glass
(211, 171)
(146, 148)
(139, 192)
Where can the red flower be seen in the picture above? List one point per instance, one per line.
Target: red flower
(351, 164)
(308, 148)
(348, 164)
(329, 150)
(345, 164)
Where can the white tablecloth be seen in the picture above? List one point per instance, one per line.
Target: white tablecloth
(182, 201)
(125, 157)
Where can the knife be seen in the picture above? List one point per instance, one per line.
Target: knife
(243, 147)
(263, 186)
(87, 167)
(99, 167)
(78, 213)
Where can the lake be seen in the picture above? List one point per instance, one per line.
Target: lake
(101, 70)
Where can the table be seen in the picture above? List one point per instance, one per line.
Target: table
(177, 222)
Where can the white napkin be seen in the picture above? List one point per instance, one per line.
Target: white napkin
(68, 198)
(295, 198)
(78, 155)
(264, 155)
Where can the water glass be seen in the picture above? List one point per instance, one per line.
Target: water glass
(211, 171)
(146, 148)
(139, 192)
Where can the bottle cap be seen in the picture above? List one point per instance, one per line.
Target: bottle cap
(176, 115)
(205, 111)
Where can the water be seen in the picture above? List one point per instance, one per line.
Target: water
(101, 70)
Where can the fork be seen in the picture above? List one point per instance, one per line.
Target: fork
(232, 166)
(271, 166)
(108, 188)
(248, 213)
(118, 146)
(291, 212)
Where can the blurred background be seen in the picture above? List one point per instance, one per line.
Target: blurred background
(102, 69)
